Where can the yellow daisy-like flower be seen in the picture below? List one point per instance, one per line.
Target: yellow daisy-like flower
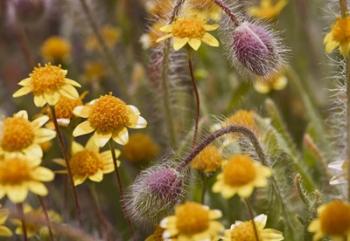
(244, 231)
(109, 117)
(192, 30)
(339, 36)
(192, 222)
(110, 34)
(277, 81)
(4, 231)
(56, 49)
(140, 148)
(94, 71)
(48, 83)
(333, 221)
(89, 163)
(19, 175)
(268, 9)
(209, 160)
(34, 228)
(240, 175)
(19, 136)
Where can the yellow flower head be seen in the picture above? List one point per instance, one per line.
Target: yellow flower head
(157, 235)
(48, 83)
(277, 81)
(18, 175)
(109, 117)
(208, 160)
(149, 39)
(56, 49)
(110, 34)
(33, 228)
(19, 136)
(268, 9)
(192, 222)
(339, 36)
(244, 231)
(140, 148)
(4, 231)
(240, 175)
(94, 71)
(333, 221)
(207, 8)
(192, 29)
(89, 162)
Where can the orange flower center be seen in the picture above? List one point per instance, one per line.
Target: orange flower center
(243, 232)
(239, 171)
(14, 171)
(85, 163)
(191, 218)
(243, 118)
(208, 160)
(47, 79)
(188, 28)
(65, 106)
(341, 30)
(17, 134)
(335, 218)
(109, 114)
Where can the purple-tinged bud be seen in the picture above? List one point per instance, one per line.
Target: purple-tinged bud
(256, 49)
(154, 194)
(29, 10)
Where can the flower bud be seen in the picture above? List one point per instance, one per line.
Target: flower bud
(29, 10)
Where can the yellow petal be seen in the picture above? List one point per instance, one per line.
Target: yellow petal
(78, 180)
(22, 91)
(121, 137)
(72, 82)
(166, 28)
(195, 43)
(261, 87)
(17, 194)
(5, 232)
(34, 151)
(52, 98)
(101, 139)
(82, 111)
(38, 122)
(280, 83)
(22, 114)
(39, 100)
(43, 174)
(76, 147)
(25, 82)
(83, 129)
(211, 27)
(97, 177)
(43, 135)
(163, 38)
(38, 188)
(210, 40)
(178, 43)
(69, 92)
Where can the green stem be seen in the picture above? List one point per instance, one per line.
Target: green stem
(251, 215)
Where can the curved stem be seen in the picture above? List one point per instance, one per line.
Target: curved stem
(47, 218)
(23, 220)
(66, 159)
(197, 100)
(228, 12)
(251, 215)
(213, 136)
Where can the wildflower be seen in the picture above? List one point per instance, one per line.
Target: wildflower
(4, 231)
(277, 81)
(56, 49)
(208, 160)
(108, 117)
(140, 148)
(192, 222)
(268, 9)
(157, 235)
(149, 39)
(18, 175)
(240, 175)
(245, 231)
(333, 221)
(48, 83)
(255, 49)
(206, 7)
(64, 109)
(94, 71)
(19, 136)
(88, 162)
(33, 228)
(339, 36)
(192, 30)
(110, 34)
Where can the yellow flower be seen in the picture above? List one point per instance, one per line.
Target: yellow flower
(268, 9)
(89, 162)
(108, 117)
(94, 71)
(140, 148)
(48, 83)
(339, 36)
(333, 221)
(19, 175)
(157, 235)
(244, 231)
(149, 39)
(19, 136)
(206, 7)
(33, 228)
(192, 30)
(240, 175)
(208, 160)
(192, 222)
(4, 231)
(276, 81)
(109, 33)
(56, 49)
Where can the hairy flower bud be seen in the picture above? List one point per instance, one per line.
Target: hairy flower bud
(256, 49)
(29, 10)
(154, 193)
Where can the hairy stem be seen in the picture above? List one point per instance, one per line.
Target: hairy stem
(66, 159)
(228, 12)
(251, 216)
(23, 220)
(47, 218)
(197, 100)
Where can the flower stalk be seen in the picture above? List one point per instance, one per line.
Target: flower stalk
(24, 225)
(228, 12)
(251, 216)
(47, 218)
